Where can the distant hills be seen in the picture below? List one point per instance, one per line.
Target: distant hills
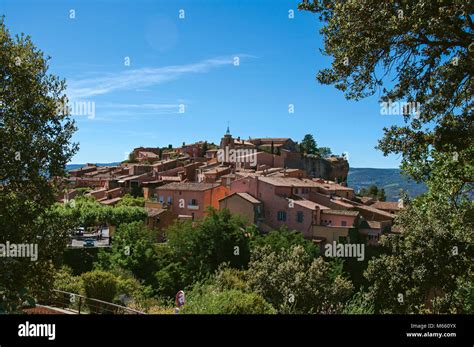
(391, 180)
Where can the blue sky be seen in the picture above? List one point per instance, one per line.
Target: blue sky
(190, 62)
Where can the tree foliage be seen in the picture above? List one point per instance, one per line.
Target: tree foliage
(133, 249)
(218, 238)
(284, 239)
(428, 263)
(308, 145)
(295, 282)
(34, 147)
(421, 51)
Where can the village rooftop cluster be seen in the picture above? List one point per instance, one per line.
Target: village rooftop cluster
(267, 181)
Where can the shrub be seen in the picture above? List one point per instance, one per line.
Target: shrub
(99, 285)
(208, 300)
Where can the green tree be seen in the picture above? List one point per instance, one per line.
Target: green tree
(200, 248)
(428, 263)
(65, 280)
(308, 145)
(381, 195)
(294, 282)
(99, 285)
(133, 249)
(324, 152)
(283, 239)
(128, 200)
(32, 150)
(373, 191)
(422, 50)
(131, 158)
(204, 149)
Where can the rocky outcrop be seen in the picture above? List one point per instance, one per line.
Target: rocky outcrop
(339, 169)
(333, 168)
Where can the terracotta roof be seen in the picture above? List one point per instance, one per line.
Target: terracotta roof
(386, 205)
(366, 199)
(341, 203)
(310, 204)
(270, 139)
(249, 197)
(342, 212)
(289, 181)
(216, 170)
(170, 178)
(375, 210)
(110, 201)
(190, 186)
(153, 212)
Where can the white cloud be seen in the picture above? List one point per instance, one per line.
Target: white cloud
(140, 78)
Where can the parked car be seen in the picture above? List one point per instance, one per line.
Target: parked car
(88, 242)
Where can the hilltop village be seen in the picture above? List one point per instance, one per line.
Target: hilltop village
(268, 181)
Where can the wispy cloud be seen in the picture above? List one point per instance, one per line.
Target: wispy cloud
(154, 107)
(141, 78)
(124, 112)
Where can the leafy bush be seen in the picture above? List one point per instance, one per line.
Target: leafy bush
(134, 250)
(283, 239)
(65, 280)
(200, 249)
(229, 278)
(209, 300)
(99, 285)
(294, 282)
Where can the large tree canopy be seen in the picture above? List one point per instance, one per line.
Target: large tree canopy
(34, 147)
(422, 52)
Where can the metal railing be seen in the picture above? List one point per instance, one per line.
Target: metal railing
(79, 304)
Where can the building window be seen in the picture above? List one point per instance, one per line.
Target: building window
(281, 216)
(193, 202)
(162, 199)
(299, 217)
(344, 223)
(296, 190)
(170, 200)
